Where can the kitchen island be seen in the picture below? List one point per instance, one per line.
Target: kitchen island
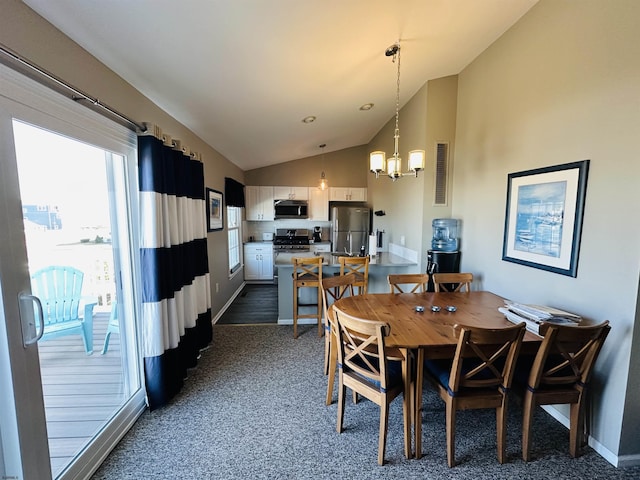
(379, 267)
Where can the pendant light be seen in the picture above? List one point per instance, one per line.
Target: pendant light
(323, 185)
(377, 159)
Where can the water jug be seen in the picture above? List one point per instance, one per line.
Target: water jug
(445, 234)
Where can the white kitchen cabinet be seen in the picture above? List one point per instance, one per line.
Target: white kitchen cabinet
(347, 194)
(290, 193)
(318, 204)
(259, 203)
(258, 261)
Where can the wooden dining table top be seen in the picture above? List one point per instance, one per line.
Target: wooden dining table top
(429, 330)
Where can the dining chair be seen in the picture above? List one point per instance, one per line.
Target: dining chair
(560, 374)
(359, 266)
(307, 273)
(452, 282)
(478, 377)
(415, 281)
(371, 369)
(333, 289)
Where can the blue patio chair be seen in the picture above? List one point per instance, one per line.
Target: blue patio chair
(112, 327)
(59, 288)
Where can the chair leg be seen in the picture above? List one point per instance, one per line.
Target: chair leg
(527, 416)
(295, 311)
(408, 403)
(327, 346)
(105, 347)
(382, 440)
(320, 325)
(575, 429)
(342, 391)
(501, 430)
(332, 369)
(451, 432)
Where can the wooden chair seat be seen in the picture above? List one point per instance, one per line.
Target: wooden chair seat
(478, 377)
(368, 368)
(333, 289)
(560, 374)
(307, 273)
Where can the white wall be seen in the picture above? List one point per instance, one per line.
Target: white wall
(563, 85)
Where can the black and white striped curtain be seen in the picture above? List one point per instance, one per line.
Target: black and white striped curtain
(176, 300)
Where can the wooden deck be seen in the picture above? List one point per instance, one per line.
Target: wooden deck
(81, 392)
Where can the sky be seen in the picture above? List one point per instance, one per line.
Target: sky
(57, 170)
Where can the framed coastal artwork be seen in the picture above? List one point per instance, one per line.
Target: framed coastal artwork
(214, 210)
(543, 221)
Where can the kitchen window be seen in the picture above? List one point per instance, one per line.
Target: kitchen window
(234, 216)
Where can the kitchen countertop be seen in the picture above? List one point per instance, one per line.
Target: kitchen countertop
(382, 259)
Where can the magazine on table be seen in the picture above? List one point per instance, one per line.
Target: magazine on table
(536, 315)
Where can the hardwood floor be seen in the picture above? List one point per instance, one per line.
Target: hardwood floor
(255, 304)
(81, 392)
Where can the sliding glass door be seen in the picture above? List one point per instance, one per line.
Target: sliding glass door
(67, 183)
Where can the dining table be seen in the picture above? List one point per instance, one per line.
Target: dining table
(422, 325)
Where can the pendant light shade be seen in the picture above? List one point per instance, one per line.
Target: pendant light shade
(323, 184)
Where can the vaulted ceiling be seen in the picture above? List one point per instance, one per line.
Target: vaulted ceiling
(243, 74)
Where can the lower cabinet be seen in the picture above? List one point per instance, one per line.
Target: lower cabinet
(258, 262)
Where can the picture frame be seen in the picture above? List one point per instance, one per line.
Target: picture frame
(543, 220)
(215, 215)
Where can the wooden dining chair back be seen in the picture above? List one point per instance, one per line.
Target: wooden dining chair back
(452, 282)
(560, 374)
(400, 283)
(359, 266)
(479, 377)
(369, 368)
(333, 289)
(307, 273)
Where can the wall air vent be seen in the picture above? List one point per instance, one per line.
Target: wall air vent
(441, 175)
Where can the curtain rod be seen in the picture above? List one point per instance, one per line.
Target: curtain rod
(39, 74)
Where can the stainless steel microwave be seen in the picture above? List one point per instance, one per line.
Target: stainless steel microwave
(291, 209)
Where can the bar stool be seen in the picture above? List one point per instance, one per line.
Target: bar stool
(307, 273)
(359, 266)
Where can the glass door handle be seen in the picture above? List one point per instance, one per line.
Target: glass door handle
(27, 323)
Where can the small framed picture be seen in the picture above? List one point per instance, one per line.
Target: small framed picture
(214, 210)
(543, 222)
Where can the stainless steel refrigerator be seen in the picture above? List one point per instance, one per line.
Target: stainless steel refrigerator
(350, 228)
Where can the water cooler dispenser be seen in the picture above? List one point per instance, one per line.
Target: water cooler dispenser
(444, 256)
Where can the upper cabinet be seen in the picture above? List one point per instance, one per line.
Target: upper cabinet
(290, 193)
(347, 194)
(259, 203)
(318, 204)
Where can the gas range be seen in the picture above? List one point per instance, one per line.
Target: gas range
(291, 240)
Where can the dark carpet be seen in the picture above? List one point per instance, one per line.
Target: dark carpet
(254, 305)
(254, 408)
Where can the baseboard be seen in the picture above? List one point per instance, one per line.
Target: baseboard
(621, 461)
(228, 304)
(301, 321)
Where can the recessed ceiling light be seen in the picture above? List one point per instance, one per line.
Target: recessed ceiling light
(309, 119)
(366, 106)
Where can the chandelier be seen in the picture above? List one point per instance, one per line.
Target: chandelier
(393, 166)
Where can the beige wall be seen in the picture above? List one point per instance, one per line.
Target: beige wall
(441, 128)
(563, 85)
(344, 168)
(29, 35)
